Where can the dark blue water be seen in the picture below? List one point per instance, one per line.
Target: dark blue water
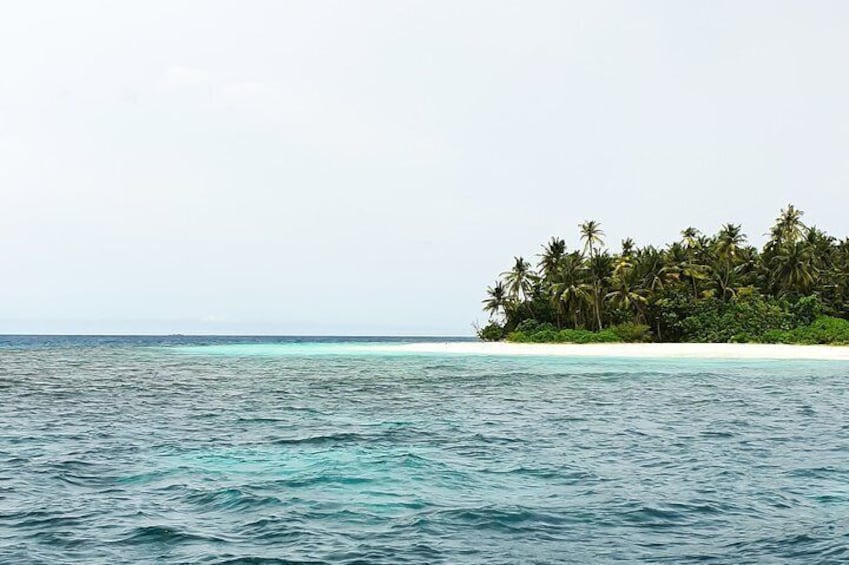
(261, 450)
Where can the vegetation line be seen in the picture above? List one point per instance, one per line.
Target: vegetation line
(699, 289)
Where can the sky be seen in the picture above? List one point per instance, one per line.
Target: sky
(369, 167)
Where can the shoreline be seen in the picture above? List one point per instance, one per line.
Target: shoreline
(638, 350)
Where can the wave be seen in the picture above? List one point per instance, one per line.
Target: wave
(159, 534)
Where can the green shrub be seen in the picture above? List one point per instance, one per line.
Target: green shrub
(631, 332)
(574, 336)
(527, 326)
(824, 330)
(491, 332)
(547, 335)
(517, 337)
(776, 336)
(607, 336)
(748, 318)
(586, 336)
(806, 310)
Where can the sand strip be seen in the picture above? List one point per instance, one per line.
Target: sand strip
(638, 350)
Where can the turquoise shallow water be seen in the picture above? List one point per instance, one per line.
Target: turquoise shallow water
(215, 450)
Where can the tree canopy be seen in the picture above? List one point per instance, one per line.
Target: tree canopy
(699, 288)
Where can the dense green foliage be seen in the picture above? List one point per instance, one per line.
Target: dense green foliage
(825, 329)
(699, 289)
(528, 332)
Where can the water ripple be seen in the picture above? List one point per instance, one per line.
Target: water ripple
(112, 450)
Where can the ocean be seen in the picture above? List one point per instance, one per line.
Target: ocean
(341, 450)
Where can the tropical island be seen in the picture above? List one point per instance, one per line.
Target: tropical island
(700, 289)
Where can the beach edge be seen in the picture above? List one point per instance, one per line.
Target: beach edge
(637, 350)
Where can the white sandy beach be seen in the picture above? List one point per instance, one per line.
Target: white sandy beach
(639, 350)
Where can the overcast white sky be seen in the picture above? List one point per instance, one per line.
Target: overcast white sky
(369, 167)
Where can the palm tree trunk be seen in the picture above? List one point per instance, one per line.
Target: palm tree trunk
(598, 307)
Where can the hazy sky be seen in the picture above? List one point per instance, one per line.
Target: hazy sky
(369, 167)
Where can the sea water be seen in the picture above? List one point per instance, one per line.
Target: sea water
(270, 450)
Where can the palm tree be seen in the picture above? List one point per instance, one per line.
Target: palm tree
(690, 237)
(788, 226)
(551, 256)
(519, 279)
(600, 267)
(724, 278)
(835, 280)
(650, 267)
(625, 260)
(627, 296)
(821, 246)
(653, 273)
(497, 300)
(568, 291)
(592, 236)
(574, 297)
(728, 241)
(793, 269)
(683, 265)
(748, 266)
(726, 252)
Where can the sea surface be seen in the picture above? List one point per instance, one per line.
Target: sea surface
(323, 450)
